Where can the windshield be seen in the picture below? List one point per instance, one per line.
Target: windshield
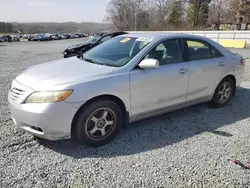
(116, 52)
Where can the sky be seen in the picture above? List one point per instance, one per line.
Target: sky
(53, 10)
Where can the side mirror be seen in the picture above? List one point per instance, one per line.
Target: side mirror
(149, 64)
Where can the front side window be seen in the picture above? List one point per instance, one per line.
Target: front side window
(117, 51)
(198, 50)
(167, 52)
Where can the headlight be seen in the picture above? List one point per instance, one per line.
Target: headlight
(48, 96)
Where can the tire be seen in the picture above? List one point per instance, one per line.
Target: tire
(217, 101)
(90, 126)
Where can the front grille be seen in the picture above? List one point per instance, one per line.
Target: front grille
(16, 93)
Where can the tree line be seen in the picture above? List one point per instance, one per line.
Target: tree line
(50, 27)
(6, 27)
(176, 14)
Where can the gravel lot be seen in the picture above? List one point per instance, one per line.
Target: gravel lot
(192, 147)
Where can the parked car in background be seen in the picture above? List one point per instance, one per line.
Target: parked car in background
(85, 35)
(40, 37)
(126, 79)
(65, 36)
(77, 36)
(3, 39)
(28, 36)
(8, 38)
(54, 37)
(90, 43)
(59, 36)
(15, 38)
(82, 35)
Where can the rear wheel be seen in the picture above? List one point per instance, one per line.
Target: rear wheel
(99, 123)
(223, 93)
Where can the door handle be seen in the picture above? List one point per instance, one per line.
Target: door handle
(183, 71)
(222, 64)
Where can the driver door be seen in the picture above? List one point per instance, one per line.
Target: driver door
(166, 86)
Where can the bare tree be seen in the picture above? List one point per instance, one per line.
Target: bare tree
(239, 11)
(137, 10)
(117, 14)
(157, 14)
(217, 11)
(124, 13)
(162, 10)
(243, 11)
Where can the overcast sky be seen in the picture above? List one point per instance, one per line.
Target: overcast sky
(52, 10)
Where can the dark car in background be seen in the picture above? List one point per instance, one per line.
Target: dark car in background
(65, 36)
(54, 37)
(8, 38)
(3, 39)
(93, 41)
(77, 35)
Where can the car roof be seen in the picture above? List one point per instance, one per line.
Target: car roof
(154, 35)
(114, 33)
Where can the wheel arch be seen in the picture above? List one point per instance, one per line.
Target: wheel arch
(232, 77)
(97, 98)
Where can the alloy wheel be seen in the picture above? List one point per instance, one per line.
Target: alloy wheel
(100, 124)
(224, 92)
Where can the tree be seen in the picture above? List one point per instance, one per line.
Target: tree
(243, 12)
(239, 11)
(143, 20)
(1, 26)
(124, 13)
(4, 27)
(217, 11)
(162, 11)
(176, 14)
(198, 13)
(9, 27)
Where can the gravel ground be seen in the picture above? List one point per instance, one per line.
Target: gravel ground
(192, 147)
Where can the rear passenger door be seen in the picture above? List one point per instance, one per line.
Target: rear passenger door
(206, 68)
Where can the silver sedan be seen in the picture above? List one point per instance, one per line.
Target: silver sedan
(128, 78)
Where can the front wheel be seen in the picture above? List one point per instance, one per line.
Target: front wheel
(223, 93)
(99, 123)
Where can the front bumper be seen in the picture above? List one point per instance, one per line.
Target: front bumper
(49, 121)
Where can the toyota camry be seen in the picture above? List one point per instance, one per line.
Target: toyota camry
(126, 79)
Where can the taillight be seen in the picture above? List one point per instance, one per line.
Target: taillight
(243, 62)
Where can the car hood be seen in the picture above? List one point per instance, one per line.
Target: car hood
(62, 73)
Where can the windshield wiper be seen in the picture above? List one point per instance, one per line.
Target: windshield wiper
(93, 61)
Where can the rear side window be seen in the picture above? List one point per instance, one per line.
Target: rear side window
(215, 52)
(198, 50)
